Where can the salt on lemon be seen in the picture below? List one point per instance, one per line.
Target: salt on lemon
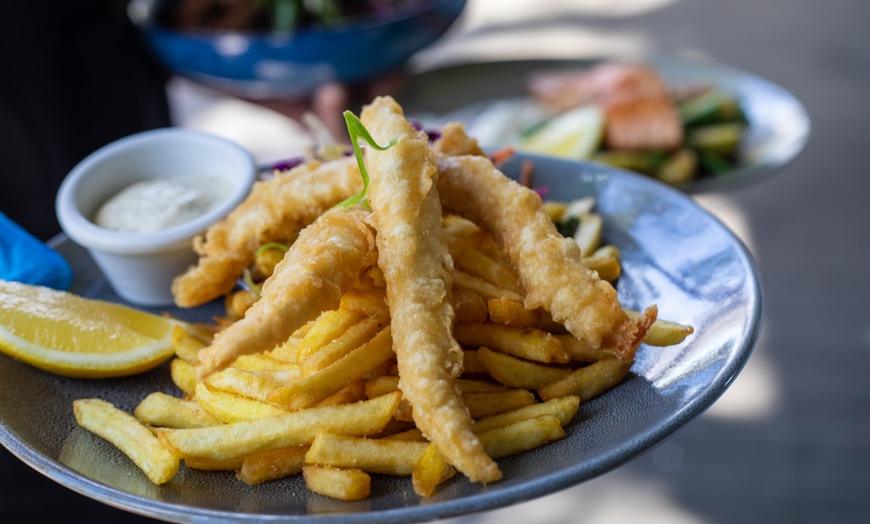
(574, 134)
(74, 336)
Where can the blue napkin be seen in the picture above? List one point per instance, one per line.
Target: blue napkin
(25, 259)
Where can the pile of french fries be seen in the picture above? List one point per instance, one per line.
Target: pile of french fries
(326, 403)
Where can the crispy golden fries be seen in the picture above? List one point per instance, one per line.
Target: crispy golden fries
(339, 374)
(521, 436)
(431, 470)
(530, 344)
(165, 411)
(183, 375)
(588, 382)
(385, 456)
(519, 373)
(433, 348)
(240, 439)
(341, 484)
(272, 465)
(128, 435)
(186, 345)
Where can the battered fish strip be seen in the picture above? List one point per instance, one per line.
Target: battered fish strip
(321, 265)
(548, 264)
(416, 265)
(275, 210)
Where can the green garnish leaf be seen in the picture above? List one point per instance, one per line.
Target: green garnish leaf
(357, 132)
(271, 245)
(249, 281)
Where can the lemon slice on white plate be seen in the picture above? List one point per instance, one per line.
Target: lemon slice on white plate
(74, 336)
(575, 134)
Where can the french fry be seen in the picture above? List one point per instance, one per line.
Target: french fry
(608, 268)
(588, 234)
(213, 465)
(161, 410)
(387, 384)
(248, 384)
(355, 336)
(129, 436)
(368, 303)
(264, 362)
(343, 484)
(476, 263)
(467, 385)
(272, 465)
(384, 456)
(663, 332)
(491, 403)
(229, 407)
(353, 392)
(281, 376)
(430, 471)
(563, 408)
(186, 345)
(413, 434)
(240, 439)
(521, 436)
(266, 259)
(479, 403)
(588, 382)
(608, 250)
(328, 326)
(470, 307)
(382, 385)
(315, 387)
(581, 351)
(517, 373)
(462, 280)
(580, 206)
(471, 364)
(285, 352)
(395, 427)
(461, 233)
(555, 210)
(529, 343)
(183, 375)
(239, 302)
(512, 313)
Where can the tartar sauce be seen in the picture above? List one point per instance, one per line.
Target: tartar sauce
(160, 203)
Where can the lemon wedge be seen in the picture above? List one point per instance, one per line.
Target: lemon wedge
(73, 336)
(574, 134)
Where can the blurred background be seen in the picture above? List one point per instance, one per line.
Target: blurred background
(788, 442)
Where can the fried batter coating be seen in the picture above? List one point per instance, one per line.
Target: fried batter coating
(416, 265)
(324, 262)
(454, 141)
(275, 210)
(549, 265)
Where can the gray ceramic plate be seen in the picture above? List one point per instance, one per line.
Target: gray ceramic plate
(675, 255)
(489, 98)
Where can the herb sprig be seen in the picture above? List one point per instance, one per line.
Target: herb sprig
(357, 132)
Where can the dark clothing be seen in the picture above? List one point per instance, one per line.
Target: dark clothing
(74, 76)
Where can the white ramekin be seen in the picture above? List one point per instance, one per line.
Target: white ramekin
(141, 266)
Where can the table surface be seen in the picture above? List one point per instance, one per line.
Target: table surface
(790, 440)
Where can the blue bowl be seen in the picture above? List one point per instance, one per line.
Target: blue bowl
(262, 65)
